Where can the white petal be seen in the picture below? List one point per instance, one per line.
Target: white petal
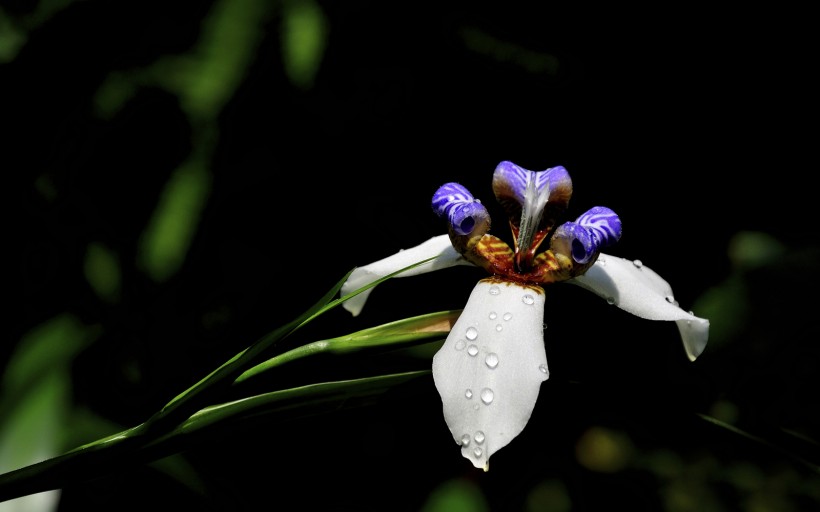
(490, 369)
(439, 246)
(637, 289)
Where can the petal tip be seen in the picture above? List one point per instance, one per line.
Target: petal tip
(694, 333)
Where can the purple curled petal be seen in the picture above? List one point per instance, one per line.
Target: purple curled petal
(582, 244)
(510, 181)
(449, 195)
(464, 217)
(458, 205)
(560, 184)
(540, 196)
(603, 224)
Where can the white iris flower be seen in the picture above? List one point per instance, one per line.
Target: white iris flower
(490, 369)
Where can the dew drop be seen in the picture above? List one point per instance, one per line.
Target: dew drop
(460, 344)
(472, 333)
(465, 440)
(468, 393)
(499, 328)
(493, 315)
(477, 452)
(507, 316)
(610, 300)
(495, 290)
(487, 396)
(479, 437)
(543, 369)
(472, 350)
(491, 360)
(638, 263)
(528, 299)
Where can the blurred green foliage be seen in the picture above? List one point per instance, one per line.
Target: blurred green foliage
(304, 36)
(36, 404)
(166, 239)
(458, 495)
(728, 304)
(102, 270)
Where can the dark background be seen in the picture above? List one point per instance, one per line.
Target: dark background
(690, 123)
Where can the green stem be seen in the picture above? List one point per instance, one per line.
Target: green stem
(119, 450)
(309, 399)
(75, 466)
(189, 412)
(197, 396)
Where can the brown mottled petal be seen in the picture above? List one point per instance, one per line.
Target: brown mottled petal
(492, 254)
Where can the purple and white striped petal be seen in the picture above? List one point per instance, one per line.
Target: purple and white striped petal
(583, 239)
(572, 239)
(603, 224)
(533, 202)
(461, 209)
(449, 195)
(512, 181)
(510, 185)
(490, 369)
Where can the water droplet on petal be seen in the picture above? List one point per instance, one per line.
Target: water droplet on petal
(499, 327)
(477, 452)
(468, 393)
(669, 299)
(507, 316)
(465, 440)
(638, 263)
(493, 315)
(472, 350)
(460, 344)
(543, 369)
(487, 396)
(491, 360)
(528, 299)
(472, 333)
(610, 300)
(495, 290)
(479, 437)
